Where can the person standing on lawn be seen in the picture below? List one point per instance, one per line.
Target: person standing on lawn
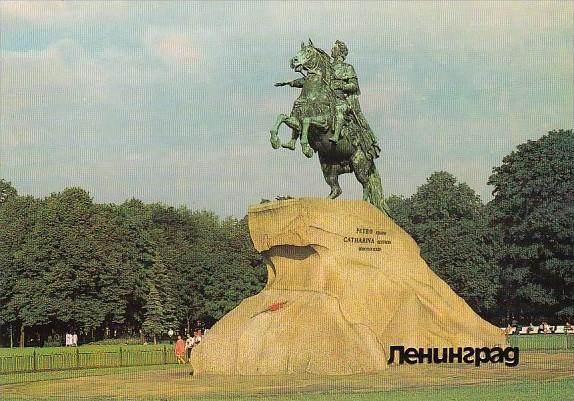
(197, 337)
(188, 346)
(179, 350)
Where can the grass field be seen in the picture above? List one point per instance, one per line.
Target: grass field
(543, 342)
(539, 376)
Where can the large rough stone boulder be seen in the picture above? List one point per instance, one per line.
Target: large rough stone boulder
(345, 283)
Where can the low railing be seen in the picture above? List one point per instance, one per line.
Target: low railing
(38, 361)
(542, 342)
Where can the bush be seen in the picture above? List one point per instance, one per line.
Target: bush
(118, 341)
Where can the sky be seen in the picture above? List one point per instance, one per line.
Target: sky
(172, 102)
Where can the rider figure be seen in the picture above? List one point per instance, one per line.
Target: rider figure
(345, 89)
(345, 85)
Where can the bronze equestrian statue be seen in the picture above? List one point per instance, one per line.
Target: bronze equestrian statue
(328, 119)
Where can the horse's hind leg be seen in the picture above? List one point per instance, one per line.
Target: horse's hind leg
(318, 121)
(331, 173)
(375, 191)
(307, 151)
(362, 167)
(368, 176)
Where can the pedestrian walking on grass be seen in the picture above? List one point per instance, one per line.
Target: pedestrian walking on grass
(180, 350)
(188, 346)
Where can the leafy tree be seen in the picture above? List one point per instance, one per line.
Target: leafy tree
(28, 301)
(220, 267)
(238, 272)
(533, 212)
(7, 191)
(122, 280)
(172, 232)
(154, 314)
(60, 259)
(449, 223)
(17, 219)
(68, 263)
(161, 280)
(400, 209)
(139, 251)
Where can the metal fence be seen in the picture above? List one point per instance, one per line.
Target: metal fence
(542, 342)
(38, 361)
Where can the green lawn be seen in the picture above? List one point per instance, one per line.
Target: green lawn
(545, 342)
(14, 360)
(547, 376)
(56, 375)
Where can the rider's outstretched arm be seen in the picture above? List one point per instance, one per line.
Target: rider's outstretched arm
(297, 83)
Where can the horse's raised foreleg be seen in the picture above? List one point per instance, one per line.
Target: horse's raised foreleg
(275, 141)
(293, 123)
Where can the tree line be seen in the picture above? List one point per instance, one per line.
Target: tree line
(69, 264)
(135, 269)
(512, 258)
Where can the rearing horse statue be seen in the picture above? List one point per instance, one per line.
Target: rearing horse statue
(312, 119)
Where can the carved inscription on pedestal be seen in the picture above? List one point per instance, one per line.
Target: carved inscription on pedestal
(368, 239)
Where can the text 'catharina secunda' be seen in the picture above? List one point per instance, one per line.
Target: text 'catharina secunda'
(508, 355)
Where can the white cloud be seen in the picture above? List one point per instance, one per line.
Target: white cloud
(37, 12)
(173, 100)
(49, 92)
(73, 14)
(173, 47)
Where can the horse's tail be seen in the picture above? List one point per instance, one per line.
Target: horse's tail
(374, 190)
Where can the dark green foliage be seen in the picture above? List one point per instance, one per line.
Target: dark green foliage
(154, 322)
(67, 263)
(533, 212)
(448, 222)
(7, 191)
(399, 211)
(231, 281)
(17, 290)
(63, 250)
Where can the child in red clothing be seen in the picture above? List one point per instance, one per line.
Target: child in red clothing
(179, 350)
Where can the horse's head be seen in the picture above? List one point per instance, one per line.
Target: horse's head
(309, 58)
